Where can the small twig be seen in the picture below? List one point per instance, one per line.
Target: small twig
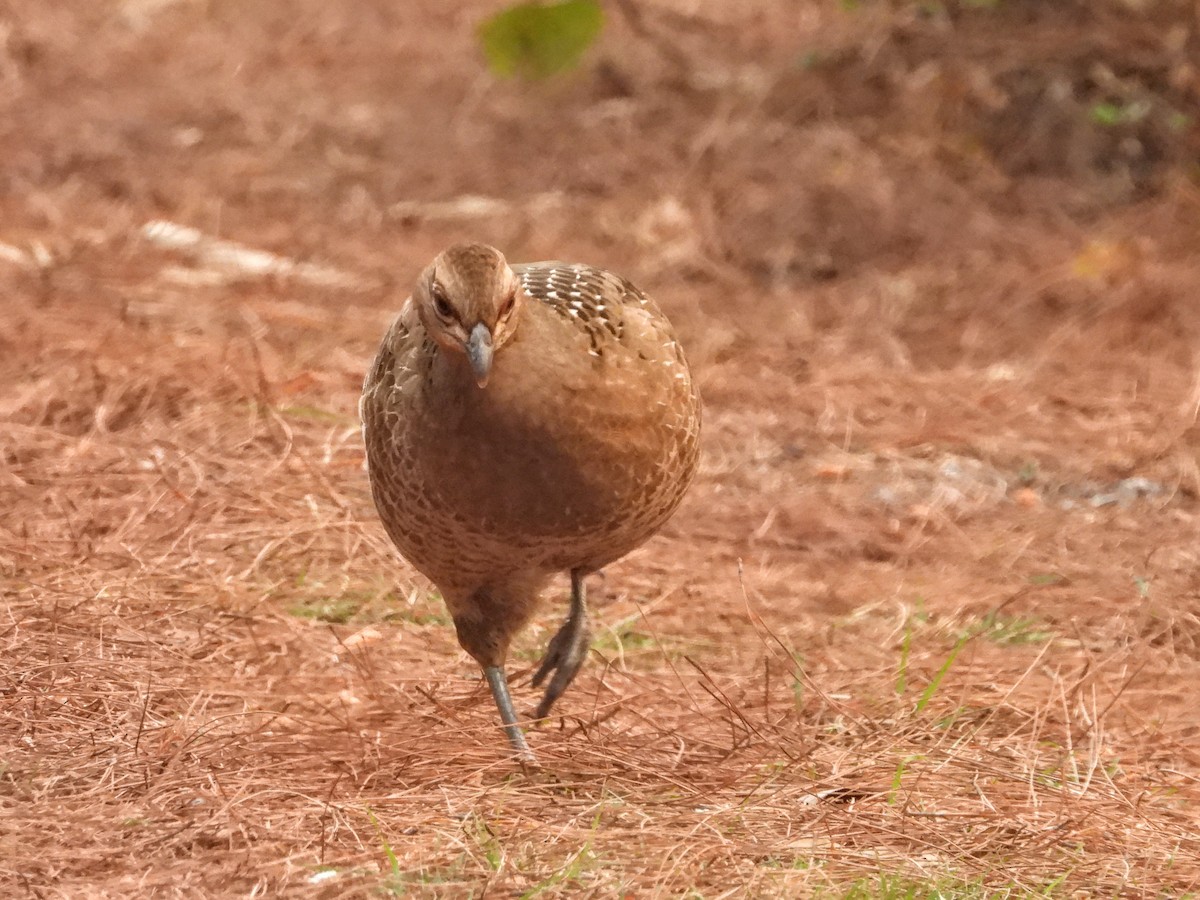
(137, 741)
(325, 815)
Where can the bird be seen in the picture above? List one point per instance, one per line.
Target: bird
(521, 421)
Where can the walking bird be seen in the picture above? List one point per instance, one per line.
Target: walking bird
(524, 420)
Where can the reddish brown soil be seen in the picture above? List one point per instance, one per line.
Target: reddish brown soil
(930, 618)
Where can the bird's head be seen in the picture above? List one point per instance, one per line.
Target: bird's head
(469, 300)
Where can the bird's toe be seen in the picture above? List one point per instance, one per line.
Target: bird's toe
(564, 657)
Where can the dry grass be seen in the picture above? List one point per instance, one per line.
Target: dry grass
(180, 522)
(917, 631)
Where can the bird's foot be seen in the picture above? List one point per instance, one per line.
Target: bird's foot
(565, 655)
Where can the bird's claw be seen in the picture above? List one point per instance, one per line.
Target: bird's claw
(565, 655)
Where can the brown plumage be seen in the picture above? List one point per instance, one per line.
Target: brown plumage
(520, 421)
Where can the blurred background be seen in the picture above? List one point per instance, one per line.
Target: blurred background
(906, 165)
(935, 264)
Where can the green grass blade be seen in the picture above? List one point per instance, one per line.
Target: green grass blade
(932, 687)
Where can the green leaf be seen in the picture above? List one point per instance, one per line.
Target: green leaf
(536, 40)
(1108, 114)
(1178, 121)
(1113, 114)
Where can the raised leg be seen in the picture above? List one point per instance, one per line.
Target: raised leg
(568, 649)
(498, 682)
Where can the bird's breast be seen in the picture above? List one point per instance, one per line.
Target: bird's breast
(568, 457)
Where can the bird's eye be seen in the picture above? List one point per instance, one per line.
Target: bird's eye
(441, 305)
(508, 305)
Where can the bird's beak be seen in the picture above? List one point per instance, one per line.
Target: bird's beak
(479, 353)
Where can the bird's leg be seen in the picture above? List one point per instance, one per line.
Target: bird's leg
(498, 682)
(484, 632)
(568, 648)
